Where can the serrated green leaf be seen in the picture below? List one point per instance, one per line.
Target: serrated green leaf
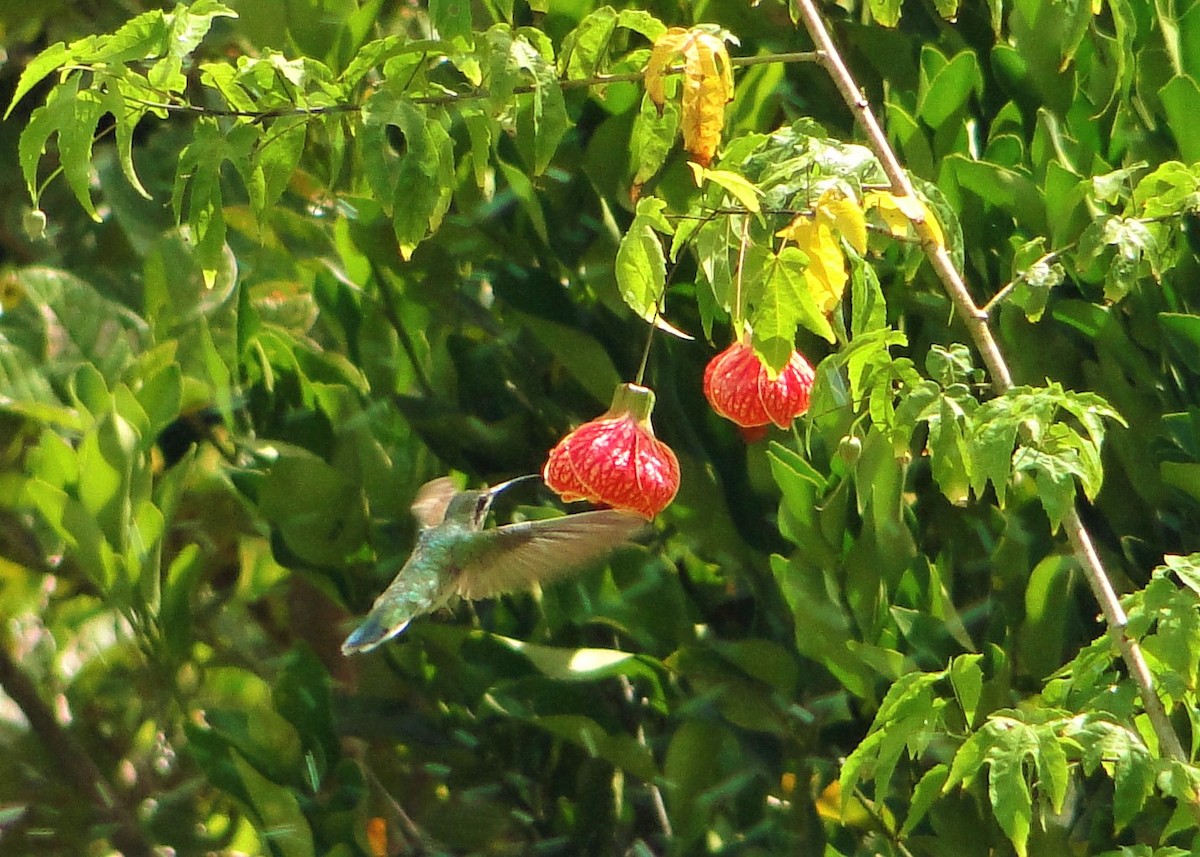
(414, 186)
(1051, 763)
(71, 115)
(652, 139)
(586, 47)
(1186, 568)
(948, 453)
(43, 64)
(641, 21)
(780, 304)
(737, 186)
(925, 794)
(278, 156)
(641, 268)
(1008, 792)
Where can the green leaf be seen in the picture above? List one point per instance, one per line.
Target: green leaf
(1181, 101)
(1008, 791)
(822, 628)
(641, 266)
(579, 664)
(317, 508)
(1187, 569)
(886, 12)
(543, 121)
(945, 92)
(450, 18)
(780, 303)
(581, 355)
(967, 678)
(925, 794)
(948, 451)
(652, 139)
(43, 64)
(71, 115)
(586, 47)
(621, 750)
(415, 186)
(905, 717)
(175, 613)
(737, 186)
(641, 21)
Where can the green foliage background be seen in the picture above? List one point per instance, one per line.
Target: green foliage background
(236, 338)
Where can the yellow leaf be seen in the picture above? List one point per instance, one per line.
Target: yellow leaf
(707, 88)
(666, 48)
(826, 271)
(845, 215)
(898, 212)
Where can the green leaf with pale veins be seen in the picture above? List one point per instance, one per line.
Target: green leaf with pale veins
(652, 139)
(1008, 792)
(641, 265)
(585, 47)
(543, 120)
(414, 186)
(198, 179)
(782, 302)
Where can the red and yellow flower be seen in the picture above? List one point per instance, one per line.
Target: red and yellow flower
(615, 460)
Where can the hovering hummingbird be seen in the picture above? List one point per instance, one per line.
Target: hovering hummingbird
(455, 555)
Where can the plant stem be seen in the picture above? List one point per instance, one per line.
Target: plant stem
(447, 97)
(976, 322)
(71, 759)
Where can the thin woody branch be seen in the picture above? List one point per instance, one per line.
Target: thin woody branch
(976, 322)
(450, 97)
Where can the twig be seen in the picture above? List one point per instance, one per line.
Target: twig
(71, 759)
(448, 97)
(656, 797)
(976, 322)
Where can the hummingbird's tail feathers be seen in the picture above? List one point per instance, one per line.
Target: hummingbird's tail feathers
(520, 555)
(369, 634)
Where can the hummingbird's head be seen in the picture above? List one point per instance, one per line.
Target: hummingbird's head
(471, 507)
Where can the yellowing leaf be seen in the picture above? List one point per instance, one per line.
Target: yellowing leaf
(898, 212)
(739, 187)
(707, 86)
(826, 271)
(667, 47)
(845, 215)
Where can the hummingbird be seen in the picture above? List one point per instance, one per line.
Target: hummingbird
(456, 556)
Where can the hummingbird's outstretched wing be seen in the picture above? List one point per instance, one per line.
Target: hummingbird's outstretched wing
(519, 555)
(432, 500)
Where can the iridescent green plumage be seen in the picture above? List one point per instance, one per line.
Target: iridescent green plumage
(456, 557)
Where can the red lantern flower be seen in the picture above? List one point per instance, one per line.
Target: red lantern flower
(740, 387)
(615, 460)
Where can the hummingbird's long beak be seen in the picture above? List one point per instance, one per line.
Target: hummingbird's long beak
(516, 480)
(486, 497)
